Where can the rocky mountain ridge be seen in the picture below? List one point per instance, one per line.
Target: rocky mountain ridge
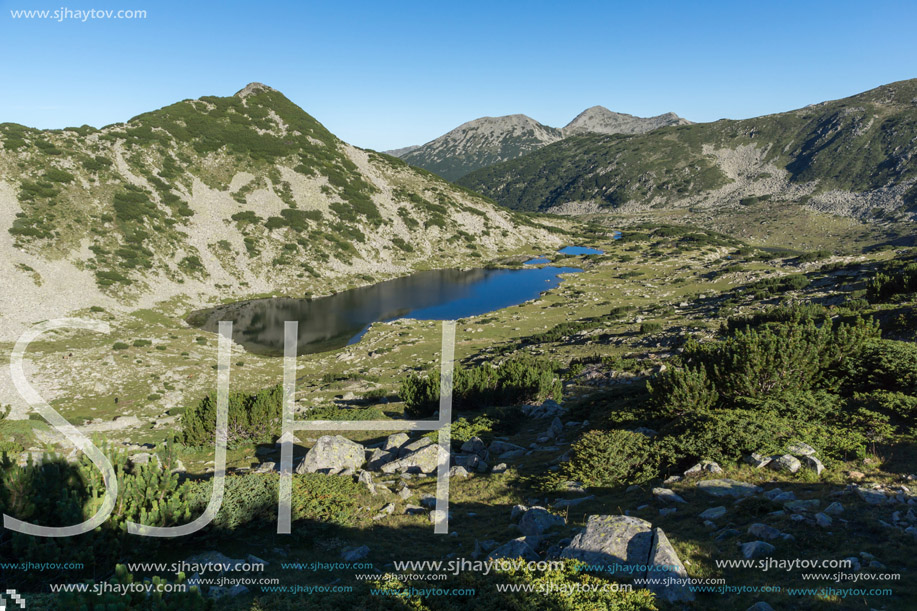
(489, 140)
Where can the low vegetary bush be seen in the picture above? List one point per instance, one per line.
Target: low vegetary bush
(513, 381)
(253, 418)
(610, 458)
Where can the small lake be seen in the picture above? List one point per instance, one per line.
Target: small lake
(328, 323)
(580, 250)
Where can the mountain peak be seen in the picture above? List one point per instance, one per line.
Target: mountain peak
(598, 119)
(251, 89)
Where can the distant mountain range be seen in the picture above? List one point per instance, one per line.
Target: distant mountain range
(853, 157)
(491, 140)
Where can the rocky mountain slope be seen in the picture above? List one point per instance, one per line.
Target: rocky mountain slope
(852, 157)
(600, 120)
(489, 140)
(481, 143)
(220, 198)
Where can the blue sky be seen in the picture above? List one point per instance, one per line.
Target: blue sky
(388, 74)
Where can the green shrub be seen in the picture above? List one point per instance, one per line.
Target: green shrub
(887, 365)
(57, 175)
(326, 498)
(650, 327)
(462, 430)
(895, 280)
(682, 391)
(515, 380)
(610, 458)
(141, 343)
(724, 436)
(253, 418)
(119, 346)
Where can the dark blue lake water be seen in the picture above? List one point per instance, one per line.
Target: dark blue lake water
(328, 323)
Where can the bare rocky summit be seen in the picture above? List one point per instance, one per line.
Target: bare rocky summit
(600, 120)
(489, 140)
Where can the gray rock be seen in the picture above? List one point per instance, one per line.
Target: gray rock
(786, 463)
(727, 487)
(475, 446)
(834, 509)
(332, 453)
(394, 442)
(757, 549)
(713, 513)
(667, 496)
(376, 458)
(663, 554)
(424, 460)
(405, 493)
(763, 531)
(386, 511)
(538, 520)
(727, 533)
(800, 449)
(218, 592)
(469, 461)
(784, 497)
(810, 462)
(667, 511)
(822, 520)
(563, 503)
(352, 554)
(872, 497)
(702, 468)
(501, 468)
(501, 447)
(414, 446)
(760, 606)
(802, 506)
(612, 539)
(428, 501)
(366, 478)
(758, 461)
(517, 548)
(512, 454)
(265, 467)
(458, 471)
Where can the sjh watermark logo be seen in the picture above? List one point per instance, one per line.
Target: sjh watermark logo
(288, 426)
(10, 598)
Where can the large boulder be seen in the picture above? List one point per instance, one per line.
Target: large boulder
(475, 446)
(376, 458)
(332, 454)
(517, 548)
(727, 487)
(668, 571)
(502, 447)
(610, 540)
(537, 520)
(785, 462)
(423, 460)
(394, 442)
(627, 541)
(413, 446)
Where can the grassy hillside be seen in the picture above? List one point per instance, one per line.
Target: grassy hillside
(818, 155)
(223, 197)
